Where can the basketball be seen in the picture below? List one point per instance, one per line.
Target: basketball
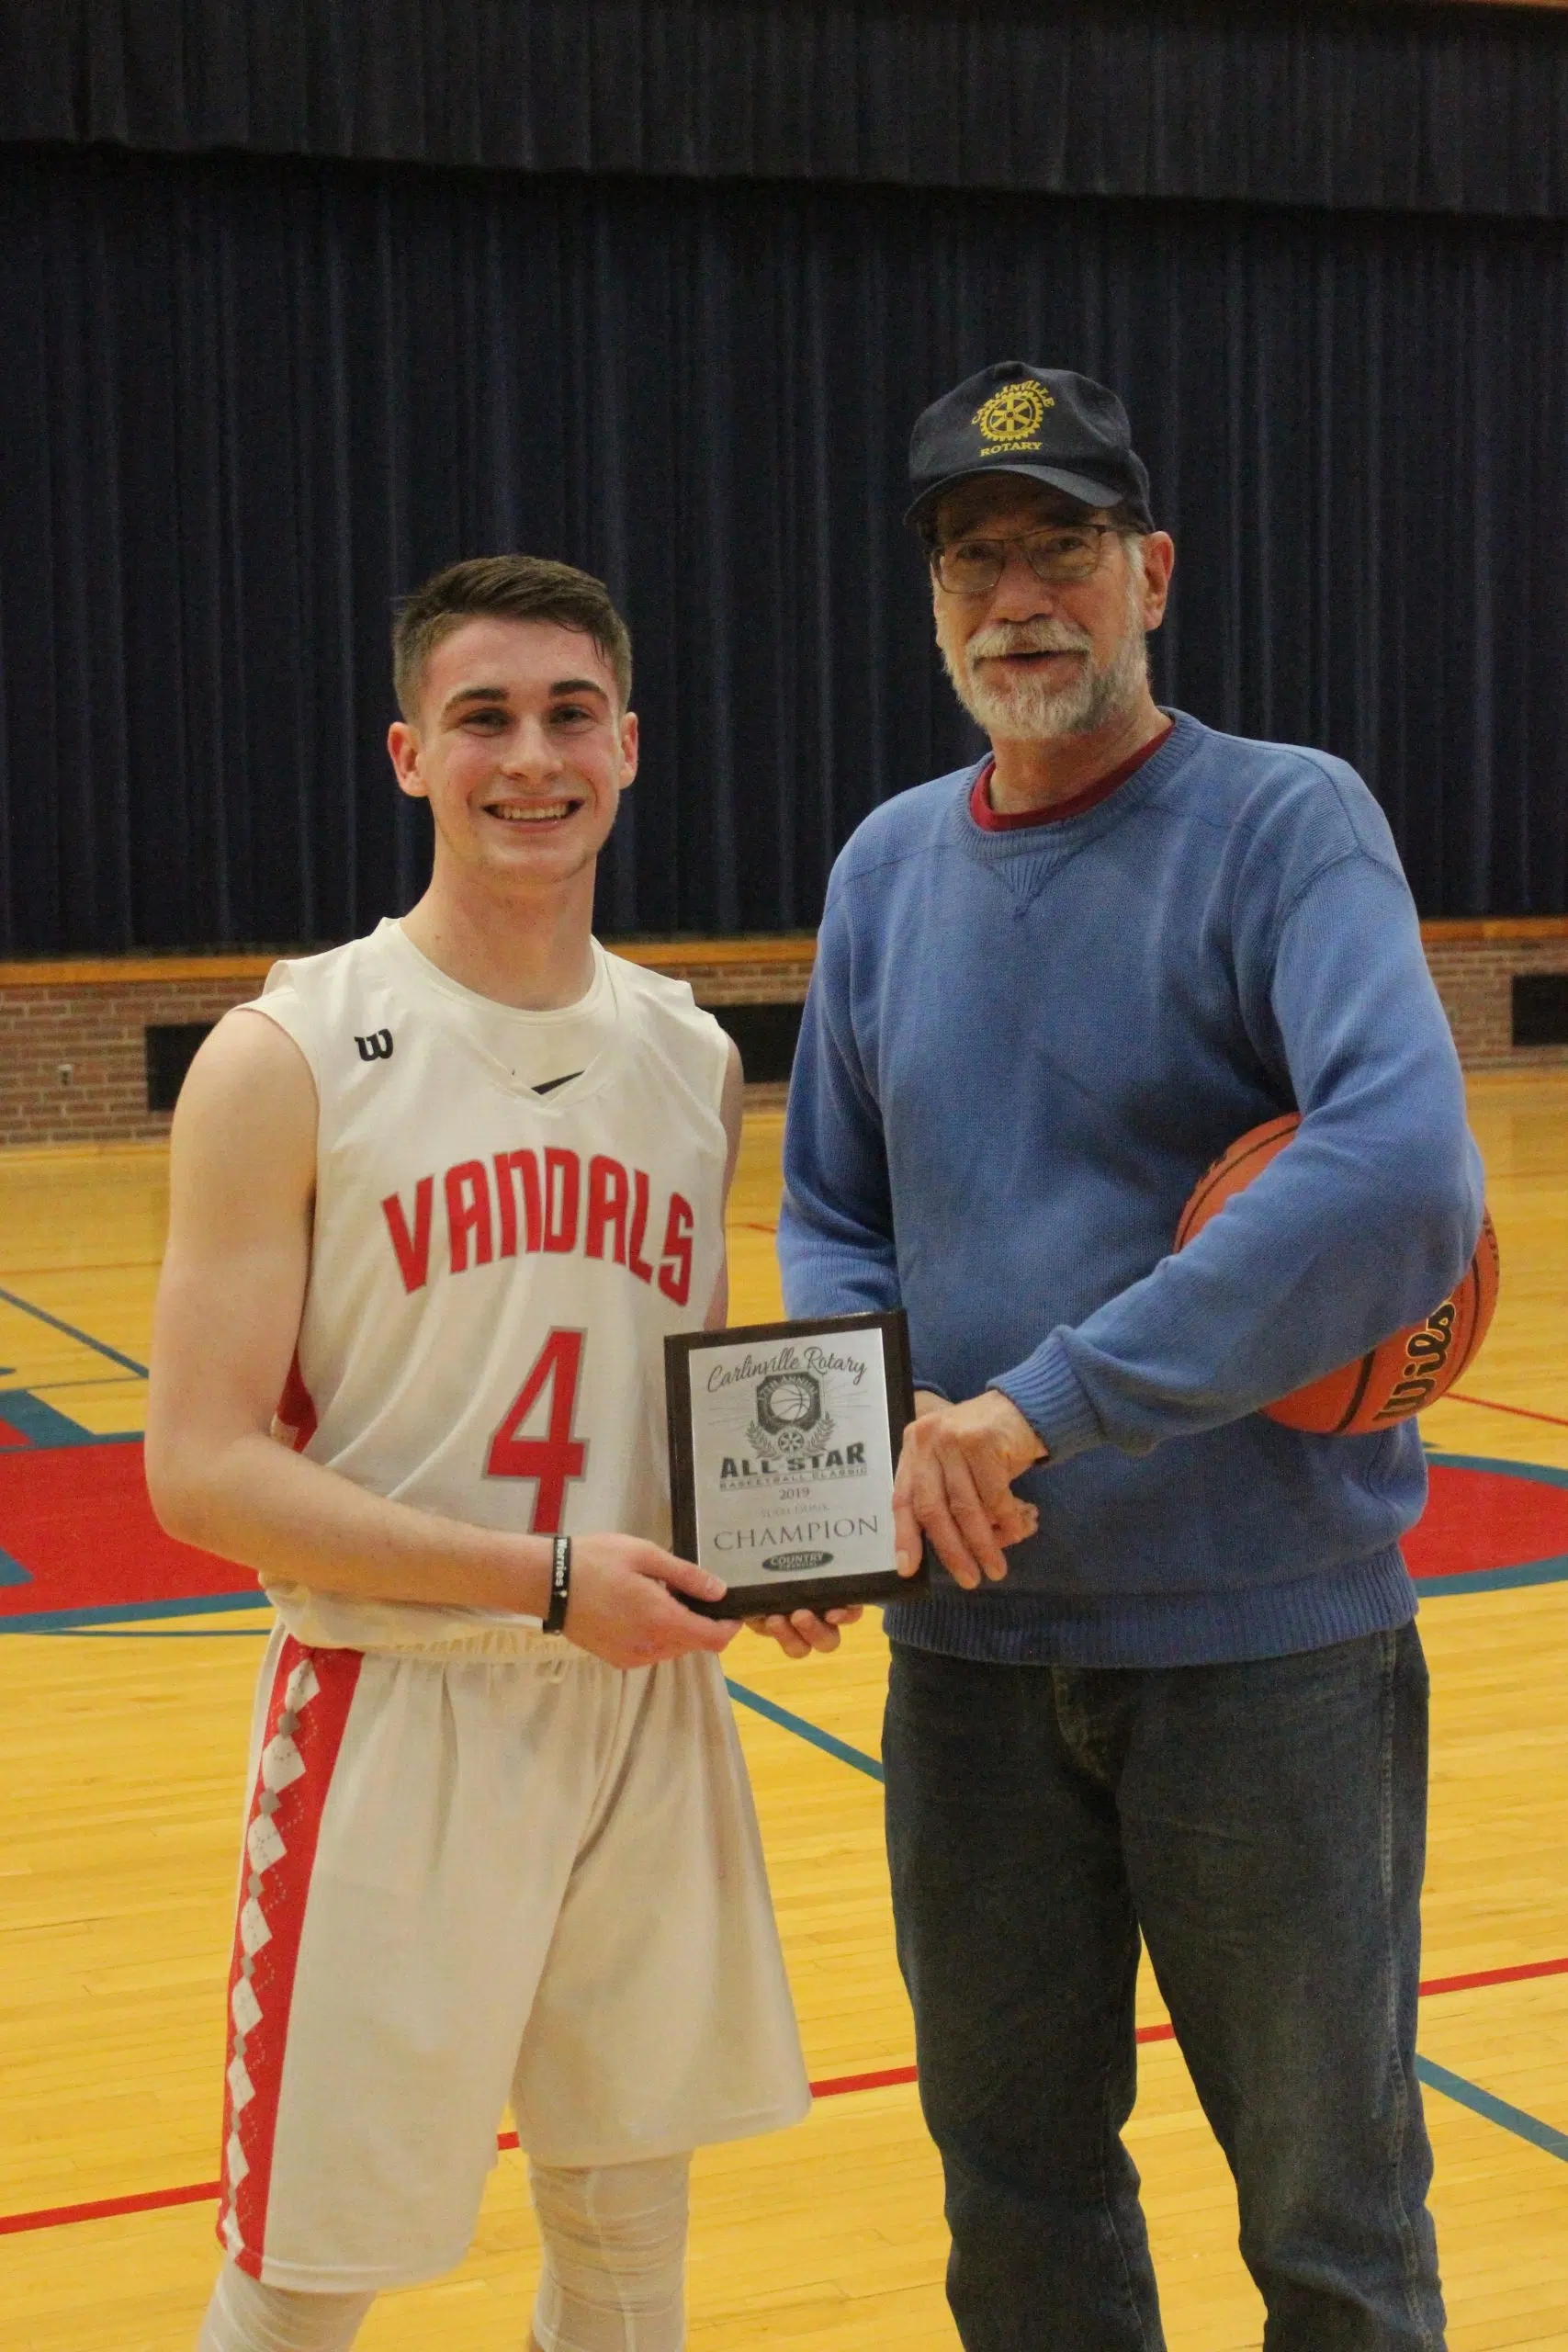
(792, 1400)
(1403, 1372)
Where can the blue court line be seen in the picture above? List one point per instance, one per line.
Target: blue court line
(1537, 1471)
(1495, 1579)
(165, 1632)
(127, 1615)
(45, 1426)
(71, 1333)
(1496, 2111)
(803, 1730)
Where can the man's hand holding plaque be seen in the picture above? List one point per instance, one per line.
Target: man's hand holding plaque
(954, 1488)
(918, 1503)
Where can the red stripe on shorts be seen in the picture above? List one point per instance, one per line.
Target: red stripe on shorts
(306, 1716)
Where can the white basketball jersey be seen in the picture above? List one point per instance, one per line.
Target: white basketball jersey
(493, 1271)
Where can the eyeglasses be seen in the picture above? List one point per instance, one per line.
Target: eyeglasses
(1059, 555)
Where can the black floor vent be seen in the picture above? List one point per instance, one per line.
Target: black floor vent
(1541, 1007)
(171, 1049)
(766, 1035)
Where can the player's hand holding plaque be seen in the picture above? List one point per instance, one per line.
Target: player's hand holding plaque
(783, 1441)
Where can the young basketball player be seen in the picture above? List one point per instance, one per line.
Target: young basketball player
(444, 1190)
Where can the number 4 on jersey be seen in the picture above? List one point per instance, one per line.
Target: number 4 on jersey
(557, 1455)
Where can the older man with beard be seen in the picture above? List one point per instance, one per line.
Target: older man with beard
(1171, 1692)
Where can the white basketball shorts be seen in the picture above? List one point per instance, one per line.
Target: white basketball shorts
(537, 1877)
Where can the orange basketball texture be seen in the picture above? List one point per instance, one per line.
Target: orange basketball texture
(1402, 1373)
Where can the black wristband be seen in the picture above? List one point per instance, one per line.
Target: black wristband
(560, 1585)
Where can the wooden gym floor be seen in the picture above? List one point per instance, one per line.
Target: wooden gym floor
(126, 1707)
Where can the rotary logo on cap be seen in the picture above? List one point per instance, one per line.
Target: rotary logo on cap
(1050, 423)
(1012, 418)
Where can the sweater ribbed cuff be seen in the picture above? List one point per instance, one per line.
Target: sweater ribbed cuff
(1052, 1400)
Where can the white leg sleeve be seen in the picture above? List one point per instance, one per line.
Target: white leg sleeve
(615, 2257)
(245, 2317)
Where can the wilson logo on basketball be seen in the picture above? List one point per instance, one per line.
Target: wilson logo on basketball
(1425, 1352)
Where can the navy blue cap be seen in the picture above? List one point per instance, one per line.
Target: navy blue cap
(1046, 423)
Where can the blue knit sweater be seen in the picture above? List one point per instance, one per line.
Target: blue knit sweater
(1018, 1052)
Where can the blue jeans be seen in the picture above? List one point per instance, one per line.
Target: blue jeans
(1263, 1826)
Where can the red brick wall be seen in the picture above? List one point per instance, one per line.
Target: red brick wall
(97, 1035)
(1472, 978)
(94, 1029)
(89, 1020)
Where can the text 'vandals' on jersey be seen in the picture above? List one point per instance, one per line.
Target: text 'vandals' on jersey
(543, 1202)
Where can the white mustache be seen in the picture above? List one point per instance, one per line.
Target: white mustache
(1027, 636)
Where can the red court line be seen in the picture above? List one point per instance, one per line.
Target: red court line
(152, 2200)
(836, 2085)
(1520, 1413)
(1516, 1976)
(54, 2217)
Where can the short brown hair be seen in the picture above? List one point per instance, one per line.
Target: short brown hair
(514, 588)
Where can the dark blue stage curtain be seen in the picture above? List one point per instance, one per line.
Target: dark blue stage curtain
(1388, 107)
(245, 404)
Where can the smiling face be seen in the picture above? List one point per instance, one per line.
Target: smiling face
(1032, 660)
(522, 750)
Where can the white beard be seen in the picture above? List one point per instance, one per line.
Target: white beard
(1027, 709)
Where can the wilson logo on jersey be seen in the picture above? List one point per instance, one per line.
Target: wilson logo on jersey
(603, 1211)
(377, 1048)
